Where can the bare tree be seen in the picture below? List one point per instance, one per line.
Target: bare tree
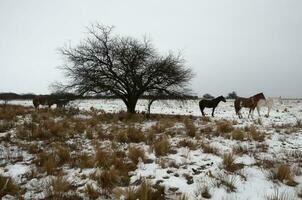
(123, 66)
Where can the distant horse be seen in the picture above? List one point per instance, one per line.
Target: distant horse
(269, 103)
(43, 100)
(49, 101)
(204, 103)
(250, 103)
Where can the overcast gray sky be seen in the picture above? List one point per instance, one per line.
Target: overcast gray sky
(240, 45)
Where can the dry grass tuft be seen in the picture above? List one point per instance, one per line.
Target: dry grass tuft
(91, 192)
(59, 188)
(188, 143)
(229, 182)
(190, 128)
(8, 186)
(229, 163)
(237, 134)
(279, 196)
(207, 148)
(162, 146)
(284, 174)
(135, 154)
(108, 180)
(224, 126)
(145, 191)
(256, 135)
(102, 158)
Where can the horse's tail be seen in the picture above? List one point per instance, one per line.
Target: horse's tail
(36, 101)
(237, 106)
(200, 105)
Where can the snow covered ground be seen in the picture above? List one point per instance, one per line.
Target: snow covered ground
(189, 169)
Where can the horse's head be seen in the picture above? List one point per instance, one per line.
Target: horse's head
(261, 96)
(222, 98)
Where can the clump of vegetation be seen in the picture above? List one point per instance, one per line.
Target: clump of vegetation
(237, 134)
(256, 135)
(136, 153)
(229, 182)
(8, 186)
(145, 191)
(162, 146)
(207, 148)
(91, 191)
(188, 143)
(224, 126)
(284, 174)
(108, 180)
(59, 188)
(102, 158)
(229, 163)
(277, 195)
(190, 128)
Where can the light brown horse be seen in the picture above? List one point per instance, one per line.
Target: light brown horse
(250, 103)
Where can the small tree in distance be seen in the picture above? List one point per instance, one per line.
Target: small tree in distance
(232, 95)
(124, 67)
(207, 96)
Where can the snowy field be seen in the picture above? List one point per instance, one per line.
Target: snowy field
(216, 158)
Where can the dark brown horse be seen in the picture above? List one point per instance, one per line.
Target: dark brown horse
(204, 103)
(250, 103)
(49, 100)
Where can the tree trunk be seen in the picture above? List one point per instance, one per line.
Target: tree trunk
(131, 104)
(149, 106)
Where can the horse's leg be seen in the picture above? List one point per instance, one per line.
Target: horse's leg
(258, 110)
(213, 111)
(249, 113)
(202, 112)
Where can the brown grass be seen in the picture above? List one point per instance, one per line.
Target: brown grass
(134, 153)
(8, 186)
(284, 174)
(108, 180)
(190, 128)
(229, 163)
(161, 146)
(224, 126)
(237, 134)
(91, 192)
(102, 158)
(58, 188)
(256, 135)
(145, 191)
(207, 148)
(188, 143)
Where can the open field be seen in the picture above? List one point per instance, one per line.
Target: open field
(104, 153)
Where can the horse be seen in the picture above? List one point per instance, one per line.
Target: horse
(268, 102)
(205, 103)
(43, 100)
(49, 100)
(250, 102)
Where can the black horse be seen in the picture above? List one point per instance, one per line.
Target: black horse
(204, 103)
